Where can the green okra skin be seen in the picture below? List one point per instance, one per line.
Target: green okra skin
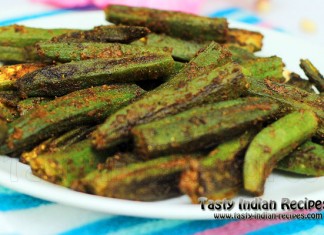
(64, 167)
(64, 78)
(201, 127)
(258, 67)
(190, 86)
(18, 54)
(182, 50)
(30, 104)
(104, 33)
(176, 24)
(69, 51)
(239, 54)
(22, 36)
(291, 97)
(144, 181)
(219, 174)
(81, 107)
(261, 68)
(274, 143)
(9, 74)
(313, 74)
(55, 144)
(296, 80)
(307, 159)
(14, 54)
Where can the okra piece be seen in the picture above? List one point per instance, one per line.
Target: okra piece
(307, 159)
(152, 180)
(192, 85)
(296, 80)
(11, 73)
(64, 78)
(22, 36)
(12, 54)
(313, 74)
(272, 144)
(119, 160)
(248, 39)
(239, 54)
(182, 50)
(66, 52)
(56, 144)
(218, 175)
(201, 127)
(291, 97)
(8, 113)
(104, 33)
(64, 167)
(9, 98)
(30, 104)
(81, 107)
(176, 24)
(3, 131)
(261, 68)
(18, 54)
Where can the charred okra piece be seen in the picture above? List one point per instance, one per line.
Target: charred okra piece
(11, 73)
(3, 131)
(182, 50)
(219, 174)
(22, 36)
(293, 98)
(64, 78)
(201, 127)
(273, 143)
(29, 104)
(313, 74)
(64, 167)
(81, 107)
(152, 180)
(192, 85)
(9, 98)
(66, 52)
(104, 33)
(56, 144)
(176, 24)
(248, 39)
(307, 159)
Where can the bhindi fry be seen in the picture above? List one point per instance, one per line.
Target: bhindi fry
(159, 105)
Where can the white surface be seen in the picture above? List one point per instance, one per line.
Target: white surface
(18, 176)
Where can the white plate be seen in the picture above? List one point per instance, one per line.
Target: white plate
(18, 176)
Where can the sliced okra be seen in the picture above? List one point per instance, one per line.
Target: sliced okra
(81, 107)
(307, 159)
(218, 175)
(192, 85)
(201, 127)
(61, 79)
(176, 24)
(272, 144)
